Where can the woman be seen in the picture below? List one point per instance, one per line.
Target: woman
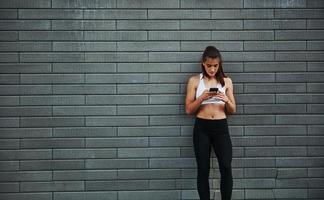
(211, 127)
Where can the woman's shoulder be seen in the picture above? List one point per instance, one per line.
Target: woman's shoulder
(194, 79)
(228, 80)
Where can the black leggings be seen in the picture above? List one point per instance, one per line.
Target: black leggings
(214, 133)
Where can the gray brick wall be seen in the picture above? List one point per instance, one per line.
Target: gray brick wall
(92, 97)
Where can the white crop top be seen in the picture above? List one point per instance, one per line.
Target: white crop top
(201, 87)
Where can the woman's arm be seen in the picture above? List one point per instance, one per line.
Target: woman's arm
(230, 104)
(192, 104)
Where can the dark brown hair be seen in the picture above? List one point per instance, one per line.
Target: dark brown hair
(213, 52)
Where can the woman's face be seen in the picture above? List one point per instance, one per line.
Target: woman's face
(211, 66)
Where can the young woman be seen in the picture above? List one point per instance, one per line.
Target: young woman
(210, 129)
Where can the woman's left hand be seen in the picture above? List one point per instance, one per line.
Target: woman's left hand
(222, 96)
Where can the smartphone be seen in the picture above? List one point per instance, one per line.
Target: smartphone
(213, 89)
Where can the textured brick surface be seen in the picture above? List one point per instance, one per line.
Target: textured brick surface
(92, 97)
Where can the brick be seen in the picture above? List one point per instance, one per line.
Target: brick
(117, 142)
(299, 119)
(312, 45)
(223, 46)
(299, 98)
(170, 120)
(9, 187)
(243, 35)
(116, 99)
(85, 175)
(9, 79)
(252, 119)
(164, 184)
(259, 193)
(318, 108)
(148, 67)
(275, 87)
(275, 46)
(26, 196)
(148, 152)
(315, 129)
(298, 13)
(179, 35)
(50, 35)
(290, 193)
(148, 46)
(115, 14)
(24, 25)
(83, 153)
(148, 89)
(52, 100)
(25, 132)
(168, 78)
(260, 172)
(25, 68)
(147, 4)
(148, 174)
(146, 195)
(84, 46)
(300, 140)
(8, 35)
(315, 4)
(211, 24)
(9, 166)
(274, 109)
(291, 173)
(315, 172)
(211, 4)
(25, 46)
(85, 89)
(84, 195)
(166, 99)
(115, 35)
(25, 154)
(247, 141)
(117, 121)
(83, 4)
(51, 165)
(274, 24)
(116, 57)
(52, 186)
(299, 162)
(116, 163)
(315, 24)
(51, 57)
(315, 151)
(315, 193)
(242, 14)
(51, 78)
(26, 4)
(83, 110)
(116, 78)
(148, 24)
(9, 143)
(171, 141)
(26, 176)
(51, 121)
(147, 110)
(255, 98)
(167, 163)
(9, 57)
(83, 67)
(85, 132)
(8, 14)
(298, 35)
(274, 4)
(276, 130)
(149, 131)
(83, 25)
(117, 185)
(277, 152)
(52, 143)
(315, 66)
(178, 14)
(173, 57)
(9, 122)
(50, 14)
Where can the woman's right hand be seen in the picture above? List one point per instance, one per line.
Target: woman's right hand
(206, 95)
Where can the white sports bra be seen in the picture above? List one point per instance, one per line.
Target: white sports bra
(201, 87)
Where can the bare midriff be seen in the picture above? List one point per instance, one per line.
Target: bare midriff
(211, 111)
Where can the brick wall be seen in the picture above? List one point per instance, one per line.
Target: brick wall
(92, 97)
